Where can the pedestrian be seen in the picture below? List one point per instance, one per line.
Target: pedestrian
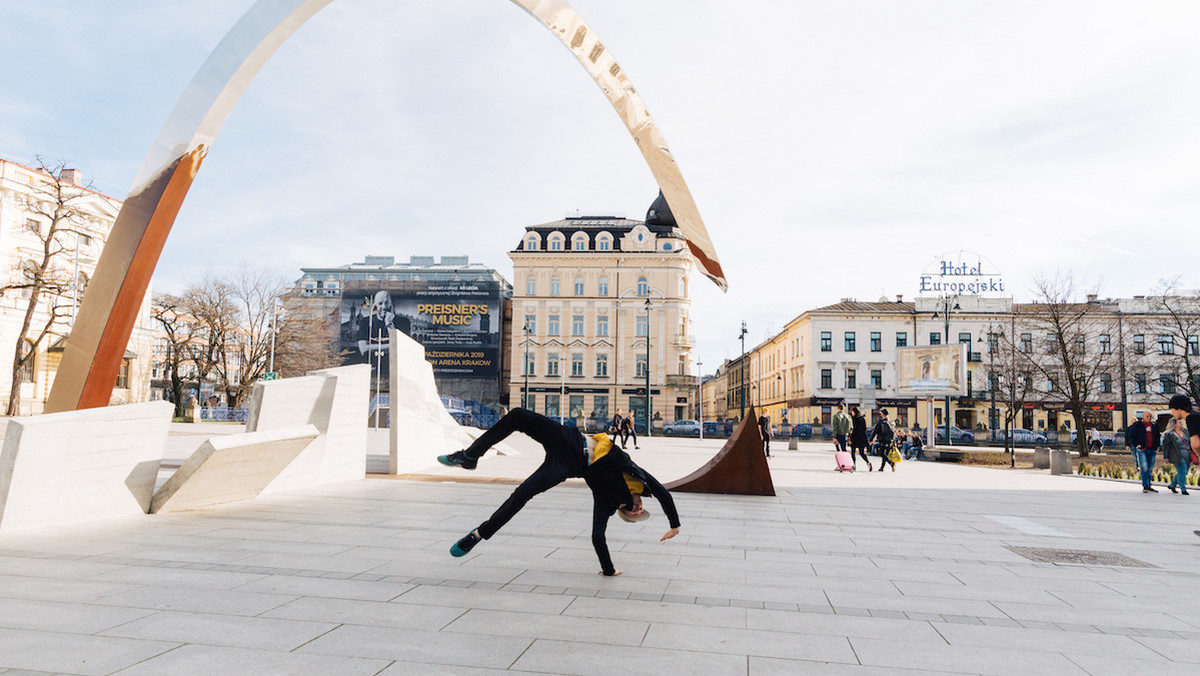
(1094, 440)
(764, 427)
(1175, 452)
(858, 438)
(1142, 438)
(614, 425)
(884, 435)
(629, 429)
(841, 427)
(1182, 412)
(617, 483)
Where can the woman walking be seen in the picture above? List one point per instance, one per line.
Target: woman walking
(1176, 449)
(858, 437)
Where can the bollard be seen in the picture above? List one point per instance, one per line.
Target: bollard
(1060, 462)
(1041, 458)
(793, 443)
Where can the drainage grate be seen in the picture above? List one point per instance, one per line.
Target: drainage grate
(1079, 557)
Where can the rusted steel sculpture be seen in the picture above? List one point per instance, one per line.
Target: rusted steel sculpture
(93, 352)
(739, 468)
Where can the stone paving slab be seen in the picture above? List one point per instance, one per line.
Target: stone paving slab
(865, 573)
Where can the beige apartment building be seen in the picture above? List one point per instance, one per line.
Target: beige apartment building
(600, 303)
(27, 198)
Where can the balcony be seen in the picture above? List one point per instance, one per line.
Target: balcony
(682, 381)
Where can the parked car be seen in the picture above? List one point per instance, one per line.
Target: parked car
(957, 435)
(682, 428)
(1107, 440)
(802, 431)
(1022, 436)
(718, 428)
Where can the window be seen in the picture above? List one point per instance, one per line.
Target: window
(1051, 343)
(643, 325)
(31, 225)
(577, 325)
(531, 243)
(827, 341)
(1139, 383)
(643, 288)
(601, 366)
(935, 338)
(576, 405)
(850, 341)
(851, 379)
(1026, 343)
(1166, 345)
(1166, 383)
(556, 243)
(603, 291)
(552, 364)
(877, 379)
(579, 286)
(1049, 385)
(876, 341)
(826, 379)
(530, 286)
(530, 360)
(602, 325)
(554, 286)
(553, 326)
(902, 339)
(552, 405)
(600, 406)
(577, 366)
(579, 241)
(993, 342)
(641, 366)
(123, 375)
(604, 245)
(1193, 345)
(531, 324)
(964, 338)
(1139, 344)
(1106, 383)
(1105, 343)
(1080, 344)
(28, 373)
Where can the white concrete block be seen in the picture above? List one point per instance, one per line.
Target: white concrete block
(421, 427)
(335, 402)
(232, 468)
(66, 468)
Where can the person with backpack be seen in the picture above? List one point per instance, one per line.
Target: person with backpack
(883, 435)
(628, 429)
(858, 438)
(842, 425)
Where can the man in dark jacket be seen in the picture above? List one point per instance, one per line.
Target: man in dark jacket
(603, 466)
(1142, 438)
(883, 434)
(764, 428)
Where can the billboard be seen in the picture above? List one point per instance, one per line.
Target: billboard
(932, 370)
(458, 323)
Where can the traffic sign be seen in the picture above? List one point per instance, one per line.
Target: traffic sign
(271, 375)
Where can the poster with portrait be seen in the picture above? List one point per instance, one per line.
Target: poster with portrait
(932, 370)
(457, 322)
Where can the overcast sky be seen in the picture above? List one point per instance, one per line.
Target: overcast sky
(834, 148)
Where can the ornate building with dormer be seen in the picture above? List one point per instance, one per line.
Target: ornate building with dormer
(599, 303)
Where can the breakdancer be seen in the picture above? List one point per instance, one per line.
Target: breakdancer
(617, 483)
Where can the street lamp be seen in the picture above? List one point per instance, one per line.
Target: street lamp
(700, 395)
(783, 394)
(946, 309)
(742, 389)
(648, 425)
(525, 394)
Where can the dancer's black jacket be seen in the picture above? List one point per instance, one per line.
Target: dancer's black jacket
(610, 491)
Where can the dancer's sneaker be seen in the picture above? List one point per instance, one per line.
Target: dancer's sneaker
(466, 544)
(458, 459)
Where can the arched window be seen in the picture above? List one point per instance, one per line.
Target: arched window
(27, 372)
(554, 284)
(531, 243)
(643, 288)
(666, 246)
(603, 291)
(579, 286)
(604, 242)
(579, 241)
(555, 241)
(531, 286)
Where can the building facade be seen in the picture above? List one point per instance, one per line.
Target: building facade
(42, 211)
(601, 318)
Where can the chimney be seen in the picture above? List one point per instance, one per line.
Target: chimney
(899, 298)
(1092, 298)
(72, 176)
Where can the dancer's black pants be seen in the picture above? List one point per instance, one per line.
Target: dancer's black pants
(566, 456)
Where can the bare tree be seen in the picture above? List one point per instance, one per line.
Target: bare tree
(213, 319)
(1180, 322)
(306, 338)
(255, 292)
(168, 311)
(1069, 352)
(43, 279)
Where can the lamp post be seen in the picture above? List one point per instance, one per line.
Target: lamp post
(274, 332)
(525, 394)
(700, 395)
(648, 425)
(946, 309)
(783, 395)
(742, 388)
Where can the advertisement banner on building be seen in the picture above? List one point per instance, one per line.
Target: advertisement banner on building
(458, 323)
(932, 370)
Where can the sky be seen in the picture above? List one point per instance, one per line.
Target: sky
(835, 149)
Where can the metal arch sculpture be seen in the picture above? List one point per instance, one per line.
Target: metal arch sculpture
(94, 350)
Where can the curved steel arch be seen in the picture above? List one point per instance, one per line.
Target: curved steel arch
(93, 352)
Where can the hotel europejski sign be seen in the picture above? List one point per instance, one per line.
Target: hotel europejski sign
(960, 277)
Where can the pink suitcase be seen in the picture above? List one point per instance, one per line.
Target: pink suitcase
(844, 462)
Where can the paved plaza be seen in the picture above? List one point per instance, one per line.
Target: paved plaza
(865, 573)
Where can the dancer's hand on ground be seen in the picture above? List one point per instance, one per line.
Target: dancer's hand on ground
(669, 534)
